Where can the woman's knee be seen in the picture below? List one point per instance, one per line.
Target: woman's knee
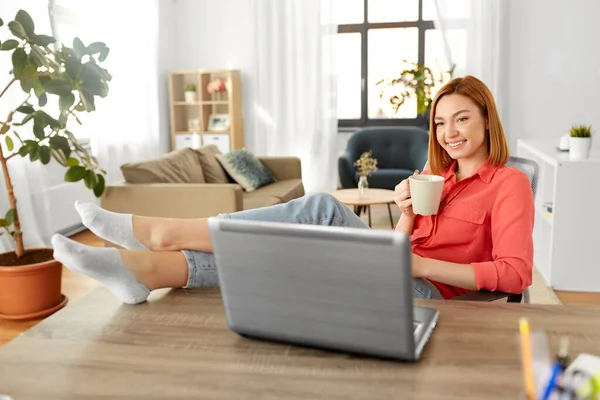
(325, 204)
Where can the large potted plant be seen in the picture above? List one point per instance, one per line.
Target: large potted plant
(419, 82)
(30, 280)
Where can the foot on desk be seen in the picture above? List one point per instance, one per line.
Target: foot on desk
(102, 264)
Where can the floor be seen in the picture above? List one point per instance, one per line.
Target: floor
(76, 286)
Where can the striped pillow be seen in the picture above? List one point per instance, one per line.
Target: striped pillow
(245, 169)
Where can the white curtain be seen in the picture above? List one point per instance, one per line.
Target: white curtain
(28, 178)
(294, 89)
(474, 34)
(125, 125)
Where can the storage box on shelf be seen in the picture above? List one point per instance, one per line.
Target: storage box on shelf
(210, 118)
(567, 218)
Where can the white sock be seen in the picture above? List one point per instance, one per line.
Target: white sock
(102, 264)
(114, 227)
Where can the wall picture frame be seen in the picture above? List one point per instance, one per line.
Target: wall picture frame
(218, 122)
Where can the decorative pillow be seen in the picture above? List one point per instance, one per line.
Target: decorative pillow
(181, 166)
(213, 172)
(245, 169)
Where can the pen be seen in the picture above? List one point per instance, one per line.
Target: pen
(526, 358)
(556, 369)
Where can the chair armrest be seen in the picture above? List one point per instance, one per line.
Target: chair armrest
(347, 171)
(173, 200)
(283, 167)
(484, 295)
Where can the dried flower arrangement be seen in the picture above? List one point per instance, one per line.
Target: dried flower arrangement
(366, 164)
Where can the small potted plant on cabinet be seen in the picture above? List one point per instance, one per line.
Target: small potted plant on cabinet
(190, 93)
(580, 142)
(30, 279)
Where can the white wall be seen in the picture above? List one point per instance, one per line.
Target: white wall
(211, 34)
(167, 50)
(553, 68)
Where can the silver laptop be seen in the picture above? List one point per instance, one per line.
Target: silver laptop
(341, 289)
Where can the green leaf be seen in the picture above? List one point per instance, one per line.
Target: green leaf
(27, 119)
(42, 40)
(4, 129)
(100, 184)
(88, 100)
(79, 47)
(80, 107)
(10, 216)
(66, 101)
(9, 143)
(73, 67)
(90, 179)
(96, 47)
(38, 131)
(103, 54)
(59, 86)
(75, 174)
(17, 29)
(38, 57)
(24, 150)
(9, 44)
(42, 99)
(1, 22)
(27, 84)
(25, 109)
(71, 162)
(25, 20)
(61, 143)
(19, 60)
(44, 154)
(3, 223)
(34, 155)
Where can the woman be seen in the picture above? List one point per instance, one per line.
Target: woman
(480, 239)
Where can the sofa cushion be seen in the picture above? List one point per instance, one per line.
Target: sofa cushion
(252, 201)
(212, 169)
(285, 190)
(181, 166)
(245, 169)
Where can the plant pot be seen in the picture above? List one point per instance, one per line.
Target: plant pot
(579, 147)
(190, 97)
(30, 291)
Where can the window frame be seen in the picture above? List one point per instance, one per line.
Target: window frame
(363, 28)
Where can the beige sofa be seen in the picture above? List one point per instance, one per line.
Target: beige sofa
(180, 199)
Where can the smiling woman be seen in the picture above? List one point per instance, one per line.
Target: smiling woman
(481, 237)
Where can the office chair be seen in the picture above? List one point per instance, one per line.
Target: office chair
(531, 169)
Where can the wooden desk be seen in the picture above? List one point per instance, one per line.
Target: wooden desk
(177, 346)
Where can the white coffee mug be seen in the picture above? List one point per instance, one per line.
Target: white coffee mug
(426, 193)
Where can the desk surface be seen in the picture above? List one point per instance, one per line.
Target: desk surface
(177, 346)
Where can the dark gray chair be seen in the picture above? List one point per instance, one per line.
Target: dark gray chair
(531, 169)
(399, 152)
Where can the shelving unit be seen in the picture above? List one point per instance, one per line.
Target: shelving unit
(226, 105)
(567, 240)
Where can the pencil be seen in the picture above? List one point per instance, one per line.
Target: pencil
(526, 358)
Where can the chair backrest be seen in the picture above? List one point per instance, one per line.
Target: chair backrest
(527, 166)
(402, 147)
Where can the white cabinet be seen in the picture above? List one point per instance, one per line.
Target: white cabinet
(567, 239)
(221, 140)
(187, 140)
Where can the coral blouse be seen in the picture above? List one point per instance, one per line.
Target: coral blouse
(487, 222)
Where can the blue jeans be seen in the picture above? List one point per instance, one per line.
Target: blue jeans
(317, 209)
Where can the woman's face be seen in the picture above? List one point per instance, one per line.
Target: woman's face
(461, 130)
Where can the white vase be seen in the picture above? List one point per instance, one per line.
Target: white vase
(363, 185)
(190, 97)
(579, 147)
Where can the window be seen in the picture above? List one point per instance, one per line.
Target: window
(378, 39)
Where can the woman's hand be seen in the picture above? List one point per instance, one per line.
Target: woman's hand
(402, 198)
